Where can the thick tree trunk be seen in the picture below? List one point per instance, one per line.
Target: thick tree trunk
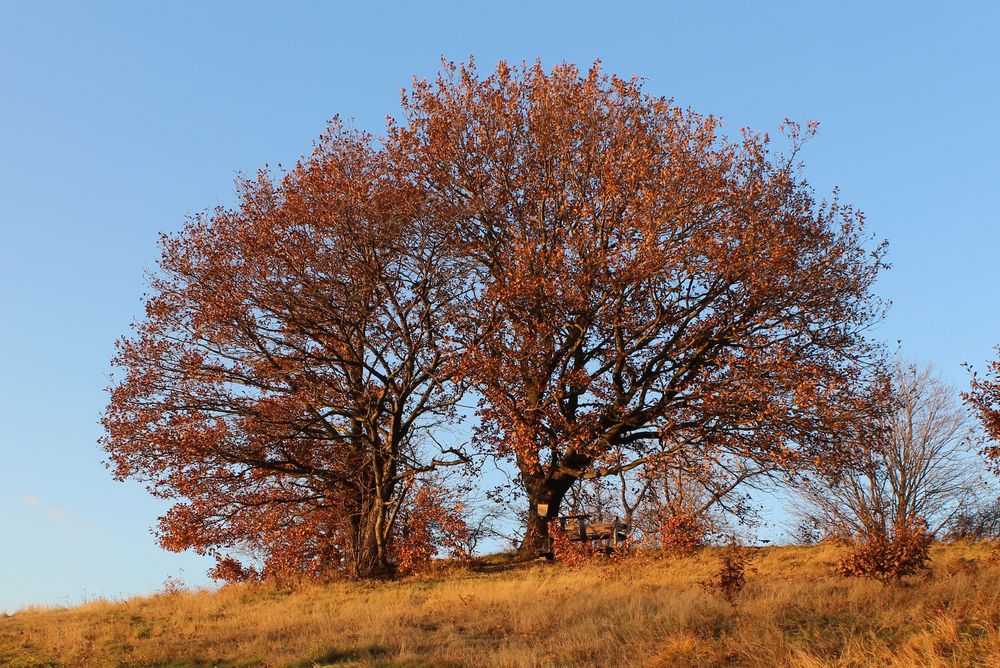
(370, 555)
(369, 562)
(550, 491)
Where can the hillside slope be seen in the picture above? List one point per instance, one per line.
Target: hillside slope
(641, 612)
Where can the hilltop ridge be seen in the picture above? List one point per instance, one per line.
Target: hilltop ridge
(641, 611)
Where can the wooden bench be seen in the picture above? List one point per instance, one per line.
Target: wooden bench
(612, 533)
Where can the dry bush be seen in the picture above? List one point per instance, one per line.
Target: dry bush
(569, 553)
(731, 577)
(229, 569)
(889, 558)
(682, 534)
(173, 585)
(433, 521)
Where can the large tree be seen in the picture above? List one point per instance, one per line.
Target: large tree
(643, 284)
(984, 398)
(292, 359)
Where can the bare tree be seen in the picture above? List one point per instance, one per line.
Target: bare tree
(673, 493)
(918, 466)
(978, 521)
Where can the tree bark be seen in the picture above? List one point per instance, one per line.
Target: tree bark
(369, 552)
(550, 490)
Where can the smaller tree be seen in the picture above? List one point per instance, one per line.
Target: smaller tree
(978, 521)
(286, 384)
(674, 500)
(689, 500)
(915, 471)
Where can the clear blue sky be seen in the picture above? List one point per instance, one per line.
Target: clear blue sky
(118, 119)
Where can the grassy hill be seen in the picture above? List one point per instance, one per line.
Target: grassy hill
(640, 612)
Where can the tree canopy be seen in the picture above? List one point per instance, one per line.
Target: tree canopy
(615, 279)
(644, 284)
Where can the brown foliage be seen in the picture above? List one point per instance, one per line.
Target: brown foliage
(984, 398)
(731, 578)
(293, 350)
(642, 282)
(569, 553)
(682, 534)
(432, 520)
(229, 569)
(889, 557)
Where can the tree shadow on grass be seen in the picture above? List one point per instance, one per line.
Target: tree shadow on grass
(375, 656)
(372, 655)
(506, 561)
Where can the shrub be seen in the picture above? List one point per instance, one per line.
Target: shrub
(433, 521)
(731, 577)
(568, 552)
(682, 534)
(888, 558)
(229, 569)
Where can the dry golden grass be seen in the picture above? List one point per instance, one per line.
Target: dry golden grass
(642, 612)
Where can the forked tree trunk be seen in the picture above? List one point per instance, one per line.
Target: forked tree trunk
(370, 554)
